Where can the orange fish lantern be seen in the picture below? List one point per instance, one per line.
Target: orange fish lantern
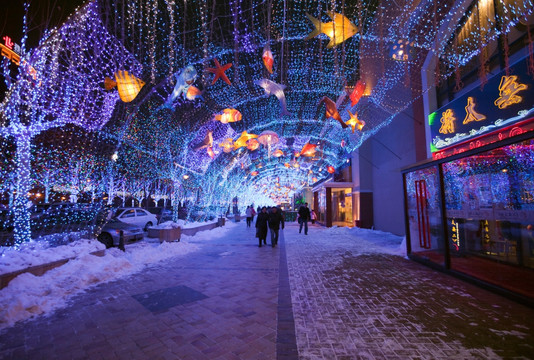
(287, 165)
(331, 110)
(314, 179)
(277, 153)
(253, 144)
(227, 145)
(308, 150)
(242, 140)
(354, 122)
(229, 116)
(127, 84)
(331, 169)
(357, 92)
(254, 173)
(193, 92)
(268, 59)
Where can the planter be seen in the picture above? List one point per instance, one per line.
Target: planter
(221, 221)
(237, 218)
(165, 234)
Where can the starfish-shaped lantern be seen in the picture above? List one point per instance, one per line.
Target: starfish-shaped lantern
(219, 72)
(354, 122)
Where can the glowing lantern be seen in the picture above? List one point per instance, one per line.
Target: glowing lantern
(227, 145)
(252, 144)
(127, 84)
(308, 150)
(357, 92)
(278, 153)
(268, 138)
(331, 169)
(254, 173)
(402, 50)
(242, 140)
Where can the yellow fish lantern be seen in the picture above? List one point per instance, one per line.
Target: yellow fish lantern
(227, 145)
(354, 122)
(242, 140)
(127, 84)
(339, 30)
(229, 116)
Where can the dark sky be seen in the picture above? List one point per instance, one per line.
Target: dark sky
(43, 14)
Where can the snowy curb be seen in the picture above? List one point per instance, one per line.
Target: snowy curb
(39, 270)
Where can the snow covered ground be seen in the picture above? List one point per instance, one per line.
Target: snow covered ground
(28, 295)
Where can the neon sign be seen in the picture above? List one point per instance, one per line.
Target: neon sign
(471, 114)
(447, 121)
(455, 235)
(508, 89)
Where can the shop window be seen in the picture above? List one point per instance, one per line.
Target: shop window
(489, 201)
(342, 207)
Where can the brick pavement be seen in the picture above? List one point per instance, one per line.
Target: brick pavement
(227, 301)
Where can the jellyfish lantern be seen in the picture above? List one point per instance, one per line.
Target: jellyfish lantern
(268, 138)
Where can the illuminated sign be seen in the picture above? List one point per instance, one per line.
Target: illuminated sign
(505, 106)
(11, 51)
(455, 235)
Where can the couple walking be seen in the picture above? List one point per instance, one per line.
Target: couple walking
(272, 219)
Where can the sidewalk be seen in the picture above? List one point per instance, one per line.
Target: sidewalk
(233, 300)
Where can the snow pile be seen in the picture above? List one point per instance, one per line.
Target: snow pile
(182, 224)
(28, 295)
(39, 252)
(367, 241)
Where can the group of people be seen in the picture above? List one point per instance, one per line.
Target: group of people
(272, 218)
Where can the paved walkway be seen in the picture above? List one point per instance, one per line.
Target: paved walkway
(320, 296)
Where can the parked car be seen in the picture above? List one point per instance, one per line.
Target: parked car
(136, 216)
(110, 234)
(162, 214)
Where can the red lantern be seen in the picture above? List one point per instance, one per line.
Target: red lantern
(331, 169)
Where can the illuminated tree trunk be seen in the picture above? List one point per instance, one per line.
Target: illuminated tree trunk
(175, 201)
(22, 228)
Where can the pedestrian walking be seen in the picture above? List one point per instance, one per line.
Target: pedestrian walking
(248, 214)
(304, 216)
(261, 226)
(275, 221)
(313, 216)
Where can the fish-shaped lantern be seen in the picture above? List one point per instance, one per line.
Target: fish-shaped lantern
(227, 145)
(287, 165)
(193, 92)
(253, 144)
(268, 59)
(331, 169)
(331, 111)
(183, 81)
(339, 30)
(219, 72)
(242, 140)
(208, 144)
(127, 84)
(357, 92)
(354, 122)
(277, 153)
(229, 116)
(308, 150)
(254, 173)
(272, 88)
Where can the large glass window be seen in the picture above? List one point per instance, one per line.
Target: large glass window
(424, 214)
(489, 201)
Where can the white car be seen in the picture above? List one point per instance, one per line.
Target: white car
(136, 216)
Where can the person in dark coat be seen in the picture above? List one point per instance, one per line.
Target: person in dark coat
(304, 217)
(261, 225)
(275, 220)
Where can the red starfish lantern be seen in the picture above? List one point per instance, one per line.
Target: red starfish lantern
(219, 72)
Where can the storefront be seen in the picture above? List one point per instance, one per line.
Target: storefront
(470, 210)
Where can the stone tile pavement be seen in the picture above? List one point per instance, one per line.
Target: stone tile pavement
(319, 295)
